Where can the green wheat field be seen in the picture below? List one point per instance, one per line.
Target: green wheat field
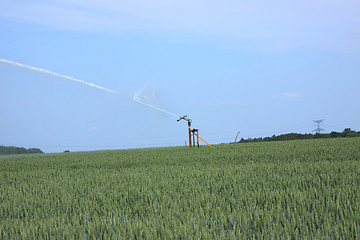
(307, 189)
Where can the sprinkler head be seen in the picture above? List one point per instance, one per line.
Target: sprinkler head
(184, 117)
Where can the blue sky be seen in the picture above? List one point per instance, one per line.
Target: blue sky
(261, 68)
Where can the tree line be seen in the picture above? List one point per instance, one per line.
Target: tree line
(296, 136)
(18, 150)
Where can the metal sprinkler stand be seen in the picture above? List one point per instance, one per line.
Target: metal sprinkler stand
(192, 133)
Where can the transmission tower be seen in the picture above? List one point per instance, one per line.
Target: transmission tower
(318, 130)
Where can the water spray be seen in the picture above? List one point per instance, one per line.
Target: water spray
(58, 75)
(137, 99)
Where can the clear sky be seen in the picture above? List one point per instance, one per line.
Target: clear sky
(258, 67)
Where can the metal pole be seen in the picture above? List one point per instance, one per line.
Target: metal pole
(190, 134)
(197, 131)
(236, 137)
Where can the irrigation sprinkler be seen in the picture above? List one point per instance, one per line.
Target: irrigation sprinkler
(192, 133)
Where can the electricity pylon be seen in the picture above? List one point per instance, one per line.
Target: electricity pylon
(318, 130)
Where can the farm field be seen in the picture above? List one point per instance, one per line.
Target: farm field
(293, 189)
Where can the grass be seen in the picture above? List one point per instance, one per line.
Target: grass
(296, 189)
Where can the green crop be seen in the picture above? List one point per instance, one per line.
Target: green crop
(295, 189)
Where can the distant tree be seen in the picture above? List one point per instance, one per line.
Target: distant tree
(18, 150)
(346, 132)
(335, 134)
(34, 150)
(293, 136)
(266, 139)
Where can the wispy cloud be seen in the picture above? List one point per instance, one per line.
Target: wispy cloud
(287, 95)
(276, 24)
